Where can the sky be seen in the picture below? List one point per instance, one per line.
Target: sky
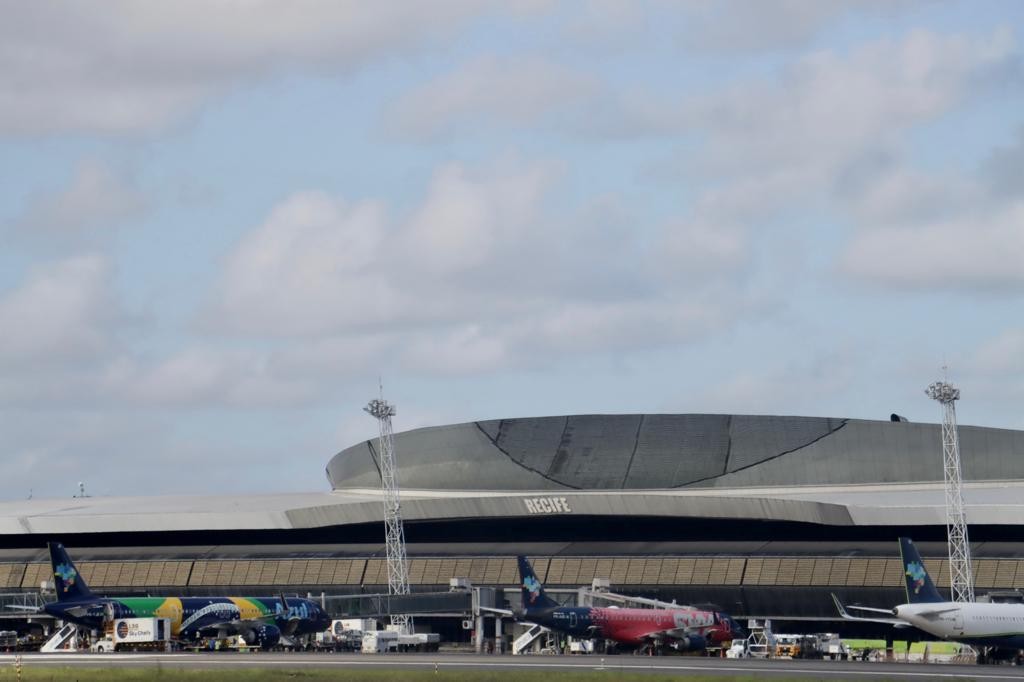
(223, 224)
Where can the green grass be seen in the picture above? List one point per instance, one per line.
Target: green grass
(899, 647)
(81, 674)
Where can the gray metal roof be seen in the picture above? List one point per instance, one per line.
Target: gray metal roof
(877, 505)
(801, 469)
(659, 451)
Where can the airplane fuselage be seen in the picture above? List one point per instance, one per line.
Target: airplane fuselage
(689, 628)
(973, 623)
(191, 615)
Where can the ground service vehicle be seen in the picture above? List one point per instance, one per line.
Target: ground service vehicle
(135, 634)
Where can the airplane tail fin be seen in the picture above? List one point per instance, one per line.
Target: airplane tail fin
(533, 591)
(920, 588)
(70, 585)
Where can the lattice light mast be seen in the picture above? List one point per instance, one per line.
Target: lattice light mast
(398, 569)
(960, 577)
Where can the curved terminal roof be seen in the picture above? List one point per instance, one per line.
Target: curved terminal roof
(662, 451)
(530, 479)
(992, 503)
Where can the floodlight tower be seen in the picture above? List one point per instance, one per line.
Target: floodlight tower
(398, 570)
(960, 578)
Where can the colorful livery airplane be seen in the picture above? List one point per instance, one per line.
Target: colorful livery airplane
(683, 628)
(259, 620)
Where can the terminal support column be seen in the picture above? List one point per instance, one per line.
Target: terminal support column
(479, 633)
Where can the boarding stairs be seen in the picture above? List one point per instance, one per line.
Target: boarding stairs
(523, 642)
(65, 639)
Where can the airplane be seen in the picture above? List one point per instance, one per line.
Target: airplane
(980, 624)
(259, 620)
(684, 628)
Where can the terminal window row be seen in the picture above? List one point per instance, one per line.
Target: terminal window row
(561, 571)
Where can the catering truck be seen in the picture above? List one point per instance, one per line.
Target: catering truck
(135, 634)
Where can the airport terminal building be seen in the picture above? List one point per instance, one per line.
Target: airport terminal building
(763, 515)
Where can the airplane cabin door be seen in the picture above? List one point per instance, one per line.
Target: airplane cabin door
(572, 620)
(958, 622)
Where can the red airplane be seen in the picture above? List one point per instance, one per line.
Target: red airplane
(684, 628)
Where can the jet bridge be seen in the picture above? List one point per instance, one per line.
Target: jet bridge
(599, 594)
(415, 604)
(470, 604)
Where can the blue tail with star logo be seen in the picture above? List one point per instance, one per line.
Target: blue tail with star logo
(920, 588)
(68, 583)
(533, 591)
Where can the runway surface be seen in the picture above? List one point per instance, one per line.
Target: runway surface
(681, 665)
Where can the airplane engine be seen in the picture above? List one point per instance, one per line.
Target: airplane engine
(266, 636)
(691, 643)
(113, 610)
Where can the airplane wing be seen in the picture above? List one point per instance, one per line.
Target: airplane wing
(81, 610)
(668, 634)
(235, 627)
(674, 633)
(891, 620)
(869, 609)
(225, 619)
(937, 612)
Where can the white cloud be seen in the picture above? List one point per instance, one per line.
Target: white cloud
(611, 24)
(670, 318)
(309, 268)
(902, 195)
(829, 108)
(126, 67)
(483, 273)
(978, 250)
(320, 265)
(94, 201)
(825, 137)
(1002, 170)
(464, 348)
(489, 90)
(724, 28)
(758, 25)
(1002, 355)
(703, 247)
(805, 386)
(62, 312)
(465, 220)
(205, 375)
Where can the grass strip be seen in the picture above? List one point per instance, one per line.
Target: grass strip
(119, 674)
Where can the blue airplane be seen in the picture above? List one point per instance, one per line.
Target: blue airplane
(259, 620)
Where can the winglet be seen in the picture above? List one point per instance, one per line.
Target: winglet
(889, 618)
(840, 608)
